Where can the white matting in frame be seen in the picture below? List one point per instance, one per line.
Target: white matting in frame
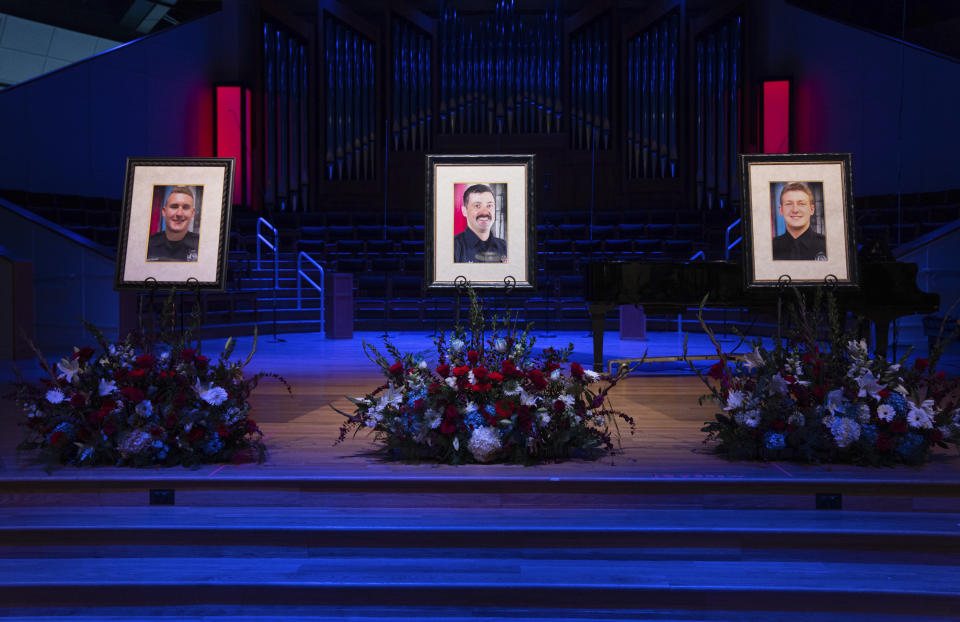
(761, 175)
(144, 176)
(446, 177)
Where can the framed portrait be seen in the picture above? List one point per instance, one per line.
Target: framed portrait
(798, 219)
(175, 225)
(480, 221)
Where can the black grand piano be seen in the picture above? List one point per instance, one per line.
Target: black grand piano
(888, 290)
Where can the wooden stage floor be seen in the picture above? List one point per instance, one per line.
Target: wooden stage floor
(664, 458)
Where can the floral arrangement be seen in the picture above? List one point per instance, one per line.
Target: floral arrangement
(142, 402)
(830, 401)
(487, 400)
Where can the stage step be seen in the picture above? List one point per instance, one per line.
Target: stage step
(548, 560)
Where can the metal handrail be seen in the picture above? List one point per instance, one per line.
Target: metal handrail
(726, 239)
(698, 254)
(301, 274)
(261, 238)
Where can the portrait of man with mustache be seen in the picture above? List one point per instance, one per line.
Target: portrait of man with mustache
(477, 243)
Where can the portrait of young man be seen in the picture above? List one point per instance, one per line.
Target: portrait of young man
(176, 240)
(478, 241)
(797, 207)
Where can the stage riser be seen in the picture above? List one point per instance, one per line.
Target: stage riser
(530, 596)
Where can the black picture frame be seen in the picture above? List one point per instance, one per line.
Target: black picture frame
(200, 260)
(826, 254)
(511, 178)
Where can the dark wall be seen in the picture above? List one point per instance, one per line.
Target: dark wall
(848, 86)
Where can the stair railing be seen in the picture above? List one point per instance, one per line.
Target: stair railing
(275, 247)
(726, 239)
(302, 275)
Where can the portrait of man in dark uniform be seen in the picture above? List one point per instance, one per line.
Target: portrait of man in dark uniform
(176, 241)
(477, 242)
(799, 241)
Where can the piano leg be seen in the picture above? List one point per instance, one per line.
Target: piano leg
(598, 313)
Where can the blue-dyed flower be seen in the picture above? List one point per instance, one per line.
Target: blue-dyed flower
(213, 445)
(774, 440)
(868, 435)
(898, 402)
(910, 446)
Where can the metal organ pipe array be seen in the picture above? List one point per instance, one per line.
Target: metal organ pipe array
(719, 86)
(500, 75)
(412, 116)
(590, 85)
(651, 114)
(349, 97)
(286, 147)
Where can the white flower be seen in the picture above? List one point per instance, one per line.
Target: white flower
(215, 396)
(544, 418)
(68, 369)
(869, 386)
(456, 345)
(844, 431)
(778, 386)
(857, 348)
(600, 421)
(456, 443)
(567, 399)
(373, 418)
(863, 414)
(500, 344)
(945, 431)
(797, 420)
(433, 418)
(392, 397)
(55, 396)
(917, 417)
(145, 408)
(752, 418)
(512, 388)
(528, 399)
(885, 412)
(484, 443)
(556, 374)
(835, 401)
(753, 359)
(451, 382)
(107, 387)
(422, 364)
(591, 375)
(471, 378)
(735, 399)
(929, 407)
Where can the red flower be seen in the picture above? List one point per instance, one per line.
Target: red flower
(138, 373)
(200, 362)
(921, 364)
(133, 394)
(57, 438)
(509, 369)
(558, 407)
(144, 361)
(941, 374)
(84, 354)
(473, 357)
(819, 392)
(718, 370)
(397, 368)
(884, 393)
(443, 370)
(576, 370)
(480, 373)
(883, 443)
(495, 376)
(196, 433)
(171, 419)
(78, 400)
(156, 431)
(481, 387)
(222, 431)
(109, 428)
(419, 406)
(536, 377)
(460, 371)
(447, 427)
(180, 400)
(94, 419)
(252, 426)
(505, 408)
(120, 374)
(188, 354)
(434, 388)
(778, 425)
(898, 426)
